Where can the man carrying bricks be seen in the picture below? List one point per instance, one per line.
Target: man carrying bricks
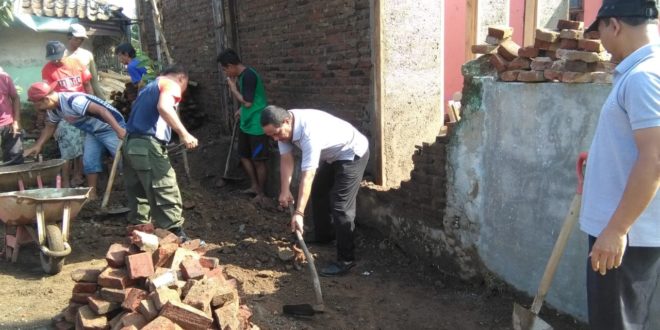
(620, 209)
(248, 89)
(151, 185)
(334, 156)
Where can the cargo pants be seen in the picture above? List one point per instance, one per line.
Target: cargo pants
(151, 186)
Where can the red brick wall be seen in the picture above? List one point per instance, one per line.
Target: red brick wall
(312, 54)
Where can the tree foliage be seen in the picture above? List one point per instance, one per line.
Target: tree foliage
(6, 15)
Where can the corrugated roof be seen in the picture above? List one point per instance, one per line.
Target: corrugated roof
(83, 9)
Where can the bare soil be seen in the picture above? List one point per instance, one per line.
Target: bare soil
(386, 290)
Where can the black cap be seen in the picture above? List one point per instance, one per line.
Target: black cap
(54, 50)
(625, 8)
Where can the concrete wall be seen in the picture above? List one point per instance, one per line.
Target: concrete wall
(491, 12)
(549, 12)
(411, 86)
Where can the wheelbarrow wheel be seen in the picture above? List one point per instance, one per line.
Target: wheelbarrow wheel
(53, 265)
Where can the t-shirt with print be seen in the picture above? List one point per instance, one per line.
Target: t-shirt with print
(67, 76)
(145, 118)
(7, 91)
(73, 109)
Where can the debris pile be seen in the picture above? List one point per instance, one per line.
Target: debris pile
(564, 55)
(155, 282)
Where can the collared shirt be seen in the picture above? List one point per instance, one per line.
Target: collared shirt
(633, 104)
(73, 109)
(323, 137)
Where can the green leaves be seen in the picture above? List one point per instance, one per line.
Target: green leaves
(6, 15)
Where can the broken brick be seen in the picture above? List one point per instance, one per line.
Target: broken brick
(224, 295)
(577, 55)
(116, 254)
(568, 24)
(494, 41)
(113, 295)
(162, 257)
(244, 315)
(508, 49)
(579, 66)
(570, 34)
(544, 45)
(215, 273)
(546, 35)
(484, 49)
(134, 319)
(186, 316)
(568, 44)
(192, 244)
(163, 277)
(500, 31)
(85, 287)
(508, 76)
(528, 52)
(101, 306)
(209, 262)
(531, 76)
(165, 236)
(201, 294)
(590, 45)
(180, 255)
(139, 265)
(80, 298)
(164, 295)
(148, 309)
(133, 298)
(541, 63)
(592, 35)
(85, 275)
(191, 269)
(161, 323)
(576, 77)
(227, 316)
(520, 63)
(115, 322)
(552, 75)
(115, 278)
(498, 62)
(71, 311)
(146, 227)
(145, 241)
(88, 320)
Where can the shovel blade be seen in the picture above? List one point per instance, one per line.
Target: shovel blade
(524, 319)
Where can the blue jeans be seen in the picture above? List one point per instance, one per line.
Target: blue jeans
(95, 145)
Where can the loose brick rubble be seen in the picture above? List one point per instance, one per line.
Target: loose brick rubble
(174, 287)
(565, 54)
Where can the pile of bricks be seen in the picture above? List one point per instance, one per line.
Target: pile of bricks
(155, 282)
(564, 55)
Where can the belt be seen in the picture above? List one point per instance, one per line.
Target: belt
(145, 137)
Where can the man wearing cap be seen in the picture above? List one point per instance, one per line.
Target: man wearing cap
(620, 208)
(10, 109)
(77, 35)
(103, 124)
(67, 75)
(151, 186)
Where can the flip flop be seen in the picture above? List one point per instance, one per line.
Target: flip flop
(336, 269)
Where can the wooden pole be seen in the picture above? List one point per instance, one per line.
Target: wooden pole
(159, 29)
(379, 147)
(471, 20)
(529, 27)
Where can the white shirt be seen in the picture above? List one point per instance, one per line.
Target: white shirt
(323, 137)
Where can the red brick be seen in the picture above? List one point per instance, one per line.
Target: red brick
(552, 75)
(592, 35)
(113, 295)
(101, 306)
(576, 77)
(508, 49)
(115, 322)
(544, 45)
(531, 76)
(147, 228)
(114, 278)
(161, 323)
(191, 269)
(571, 34)
(546, 35)
(541, 63)
(71, 311)
(568, 24)
(148, 309)
(163, 277)
(139, 265)
(244, 315)
(180, 255)
(116, 254)
(579, 66)
(163, 255)
(528, 52)
(164, 295)
(166, 236)
(494, 41)
(227, 316)
(590, 45)
(186, 316)
(232, 283)
(145, 241)
(202, 293)
(133, 319)
(499, 63)
(85, 275)
(88, 320)
(224, 295)
(484, 49)
(191, 244)
(500, 31)
(520, 63)
(85, 287)
(130, 327)
(215, 273)
(80, 298)
(202, 250)
(509, 75)
(133, 298)
(209, 262)
(568, 44)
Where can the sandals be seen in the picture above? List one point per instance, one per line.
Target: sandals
(337, 268)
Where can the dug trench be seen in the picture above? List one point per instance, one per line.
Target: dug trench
(386, 290)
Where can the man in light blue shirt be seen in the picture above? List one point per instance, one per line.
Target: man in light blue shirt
(621, 210)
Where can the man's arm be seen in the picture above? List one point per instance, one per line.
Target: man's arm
(16, 106)
(102, 112)
(166, 109)
(286, 172)
(641, 188)
(46, 134)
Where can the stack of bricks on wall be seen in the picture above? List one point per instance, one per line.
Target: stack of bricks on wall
(155, 283)
(566, 55)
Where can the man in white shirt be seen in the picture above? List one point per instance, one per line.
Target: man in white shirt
(77, 35)
(334, 156)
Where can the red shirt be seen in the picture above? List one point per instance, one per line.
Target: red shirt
(69, 75)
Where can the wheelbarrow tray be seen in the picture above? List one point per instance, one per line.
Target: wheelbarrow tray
(19, 208)
(28, 172)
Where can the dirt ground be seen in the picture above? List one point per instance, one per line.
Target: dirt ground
(386, 290)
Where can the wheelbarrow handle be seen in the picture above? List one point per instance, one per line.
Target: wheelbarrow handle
(579, 169)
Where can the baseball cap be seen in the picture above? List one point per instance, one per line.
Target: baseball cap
(625, 8)
(38, 91)
(54, 50)
(78, 31)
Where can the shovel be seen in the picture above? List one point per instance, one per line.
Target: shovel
(306, 310)
(528, 319)
(226, 179)
(111, 181)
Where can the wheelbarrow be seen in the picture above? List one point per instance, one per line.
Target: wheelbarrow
(41, 209)
(20, 177)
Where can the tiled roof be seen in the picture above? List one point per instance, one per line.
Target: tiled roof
(83, 9)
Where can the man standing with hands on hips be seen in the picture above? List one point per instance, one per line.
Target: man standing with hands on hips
(621, 207)
(334, 157)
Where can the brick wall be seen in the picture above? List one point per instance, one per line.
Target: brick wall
(311, 54)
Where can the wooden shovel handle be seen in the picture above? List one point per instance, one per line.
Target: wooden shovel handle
(113, 172)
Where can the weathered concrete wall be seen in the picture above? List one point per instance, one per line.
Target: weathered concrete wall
(491, 12)
(549, 12)
(412, 70)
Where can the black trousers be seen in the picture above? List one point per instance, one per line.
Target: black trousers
(334, 191)
(12, 146)
(622, 298)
